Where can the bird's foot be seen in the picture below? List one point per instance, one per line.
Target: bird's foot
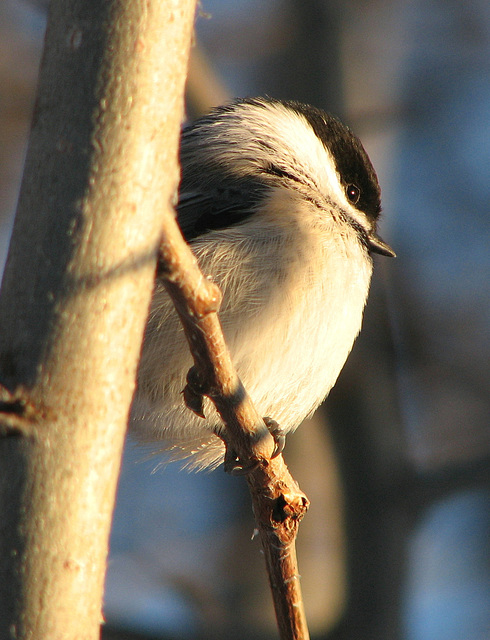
(278, 434)
(237, 466)
(194, 393)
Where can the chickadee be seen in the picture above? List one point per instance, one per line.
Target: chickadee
(279, 202)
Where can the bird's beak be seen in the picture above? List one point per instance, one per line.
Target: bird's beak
(379, 246)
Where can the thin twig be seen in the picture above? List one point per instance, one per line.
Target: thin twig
(279, 504)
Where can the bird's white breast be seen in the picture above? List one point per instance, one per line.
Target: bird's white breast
(293, 301)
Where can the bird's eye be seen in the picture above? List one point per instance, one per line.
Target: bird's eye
(353, 193)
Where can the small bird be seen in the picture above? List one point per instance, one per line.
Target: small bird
(279, 203)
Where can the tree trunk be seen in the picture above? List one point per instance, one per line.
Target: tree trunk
(100, 169)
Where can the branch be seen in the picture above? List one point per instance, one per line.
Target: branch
(279, 504)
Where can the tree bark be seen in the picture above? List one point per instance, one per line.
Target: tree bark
(101, 168)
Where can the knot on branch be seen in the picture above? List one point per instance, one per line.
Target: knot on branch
(280, 505)
(291, 508)
(16, 413)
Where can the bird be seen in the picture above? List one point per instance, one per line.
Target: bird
(279, 203)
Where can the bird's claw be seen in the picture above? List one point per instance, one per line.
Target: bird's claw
(194, 393)
(278, 434)
(235, 466)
